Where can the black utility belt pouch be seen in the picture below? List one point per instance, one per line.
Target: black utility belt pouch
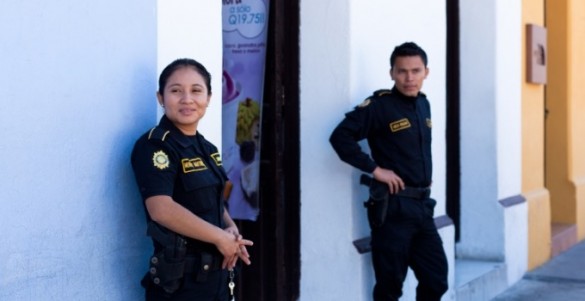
(377, 211)
(377, 203)
(167, 267)
(166, 272)
(203, 266)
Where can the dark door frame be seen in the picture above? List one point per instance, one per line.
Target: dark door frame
(453, 115)
(281, 159)
(275, 270)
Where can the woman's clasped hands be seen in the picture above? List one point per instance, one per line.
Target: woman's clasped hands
(233, 247)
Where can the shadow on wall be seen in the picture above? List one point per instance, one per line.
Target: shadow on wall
(132, 247)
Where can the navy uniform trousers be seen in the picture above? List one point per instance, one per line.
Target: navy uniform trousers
(214, 288)
(409, 238)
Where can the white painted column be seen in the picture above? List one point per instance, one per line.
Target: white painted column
(481, 214)
(491, 134)
(509, 134)
(193, 29)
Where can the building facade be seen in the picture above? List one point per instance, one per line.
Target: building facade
(79, 85)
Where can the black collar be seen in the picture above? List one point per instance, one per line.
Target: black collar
(184, 140)
(396, 92)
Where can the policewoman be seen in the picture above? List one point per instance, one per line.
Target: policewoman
(181, 179)
(397, 126)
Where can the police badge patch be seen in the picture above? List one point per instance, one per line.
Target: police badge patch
(160, 160)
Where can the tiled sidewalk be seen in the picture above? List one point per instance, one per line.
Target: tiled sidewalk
(562, 278)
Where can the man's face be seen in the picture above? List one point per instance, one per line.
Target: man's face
(408, 74)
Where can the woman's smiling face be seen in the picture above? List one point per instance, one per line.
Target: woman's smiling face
(185, 99)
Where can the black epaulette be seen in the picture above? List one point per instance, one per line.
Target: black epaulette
(382, 92)
(158, 133)
(364, 103)
(372, 98)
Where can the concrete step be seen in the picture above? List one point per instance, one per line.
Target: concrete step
(479, 280)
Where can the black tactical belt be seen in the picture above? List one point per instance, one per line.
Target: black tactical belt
(205, 262)
(415, 193)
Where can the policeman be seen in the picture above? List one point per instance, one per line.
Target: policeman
(181, 180)
(397, 126)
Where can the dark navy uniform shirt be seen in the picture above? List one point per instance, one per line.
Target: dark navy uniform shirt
(186, 168)
(398, 131)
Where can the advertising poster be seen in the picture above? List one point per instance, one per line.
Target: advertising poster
(244, 54)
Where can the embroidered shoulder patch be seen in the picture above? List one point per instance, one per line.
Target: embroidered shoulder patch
(399, 125)
(429, 123)
(160, 160)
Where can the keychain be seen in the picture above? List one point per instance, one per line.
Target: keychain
(231, 285)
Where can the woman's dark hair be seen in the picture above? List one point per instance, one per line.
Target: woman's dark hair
(180, 63)
(408, 49)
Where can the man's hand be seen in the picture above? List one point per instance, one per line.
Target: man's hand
(394, 182)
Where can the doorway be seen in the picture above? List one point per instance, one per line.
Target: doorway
(453, 111)
(275, 270)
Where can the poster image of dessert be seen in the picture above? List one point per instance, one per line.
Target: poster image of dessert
(244, 55)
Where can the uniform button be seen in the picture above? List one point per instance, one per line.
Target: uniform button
(206, 267)
(156, 280)
(153, 270)
(154, 260)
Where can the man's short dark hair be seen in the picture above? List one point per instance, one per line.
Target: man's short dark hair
(408, 49)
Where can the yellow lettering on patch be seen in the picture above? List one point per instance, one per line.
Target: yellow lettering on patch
(192, 165)
(399, 125)
(217, 158)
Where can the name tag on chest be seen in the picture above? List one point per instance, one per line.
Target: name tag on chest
(399, 125)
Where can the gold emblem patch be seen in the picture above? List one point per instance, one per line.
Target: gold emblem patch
(191, 165)
(160, 160)
(399, 125)
(217, 158)
(429, 123)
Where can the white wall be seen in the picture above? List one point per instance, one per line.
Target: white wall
(508, 51)
(491, 134)
(327, 221)
(480, 211)
(345, 50)
(516, 242)
(193, 29)
(79, 85)
(76, 84)
(509, 134)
